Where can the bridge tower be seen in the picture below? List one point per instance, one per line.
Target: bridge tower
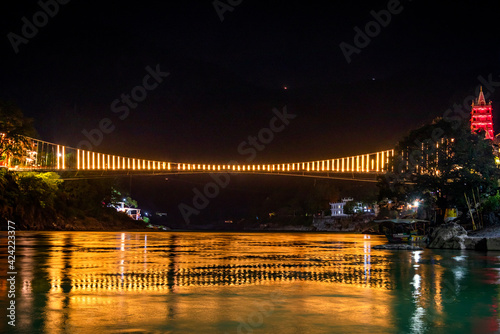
(481, 116)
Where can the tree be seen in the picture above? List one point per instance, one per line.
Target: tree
(119, 196)
(88, 195)
(14, 127)
(9, 193)
(38, 194)
(349, 207)
(440, 162)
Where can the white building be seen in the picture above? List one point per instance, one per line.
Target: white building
(338, 208)
(133, 213)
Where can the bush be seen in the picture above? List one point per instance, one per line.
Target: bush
(491, 204)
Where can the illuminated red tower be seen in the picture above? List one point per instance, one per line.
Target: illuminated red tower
(481, 116)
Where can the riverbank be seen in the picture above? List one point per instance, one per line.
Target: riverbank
(454, 236)
(107, 221)
(362, 223)
(44, 202)
(488, 232)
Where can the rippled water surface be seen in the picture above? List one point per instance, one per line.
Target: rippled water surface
(108, 282)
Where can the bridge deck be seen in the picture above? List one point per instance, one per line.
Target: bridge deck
(45, 156)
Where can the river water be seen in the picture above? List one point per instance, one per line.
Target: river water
(185, 282)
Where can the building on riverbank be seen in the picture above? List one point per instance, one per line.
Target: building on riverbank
(338, 208)
(133, 213)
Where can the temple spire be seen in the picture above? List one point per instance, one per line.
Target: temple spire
(481, 100)
(482, 116)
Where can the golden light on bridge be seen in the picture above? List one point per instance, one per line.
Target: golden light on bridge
(57, 156)
(64, 159)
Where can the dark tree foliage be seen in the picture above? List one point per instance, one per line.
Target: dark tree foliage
(14, 126)
(440, 162)
(41, 200)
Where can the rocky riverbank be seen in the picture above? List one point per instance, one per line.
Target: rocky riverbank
(454, 236)
(107, 222)
(398, 247)
(358, 223)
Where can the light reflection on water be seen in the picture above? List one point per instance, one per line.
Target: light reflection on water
(106, 282)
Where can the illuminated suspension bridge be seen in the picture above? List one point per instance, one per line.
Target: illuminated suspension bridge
(44, 156)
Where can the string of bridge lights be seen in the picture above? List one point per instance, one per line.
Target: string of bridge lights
(67, 158)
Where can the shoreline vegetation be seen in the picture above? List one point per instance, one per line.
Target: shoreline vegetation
(457, 170)
(43, 202)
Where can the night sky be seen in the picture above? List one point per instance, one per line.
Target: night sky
(225, 77)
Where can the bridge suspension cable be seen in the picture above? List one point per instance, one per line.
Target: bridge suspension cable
(42, 155)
